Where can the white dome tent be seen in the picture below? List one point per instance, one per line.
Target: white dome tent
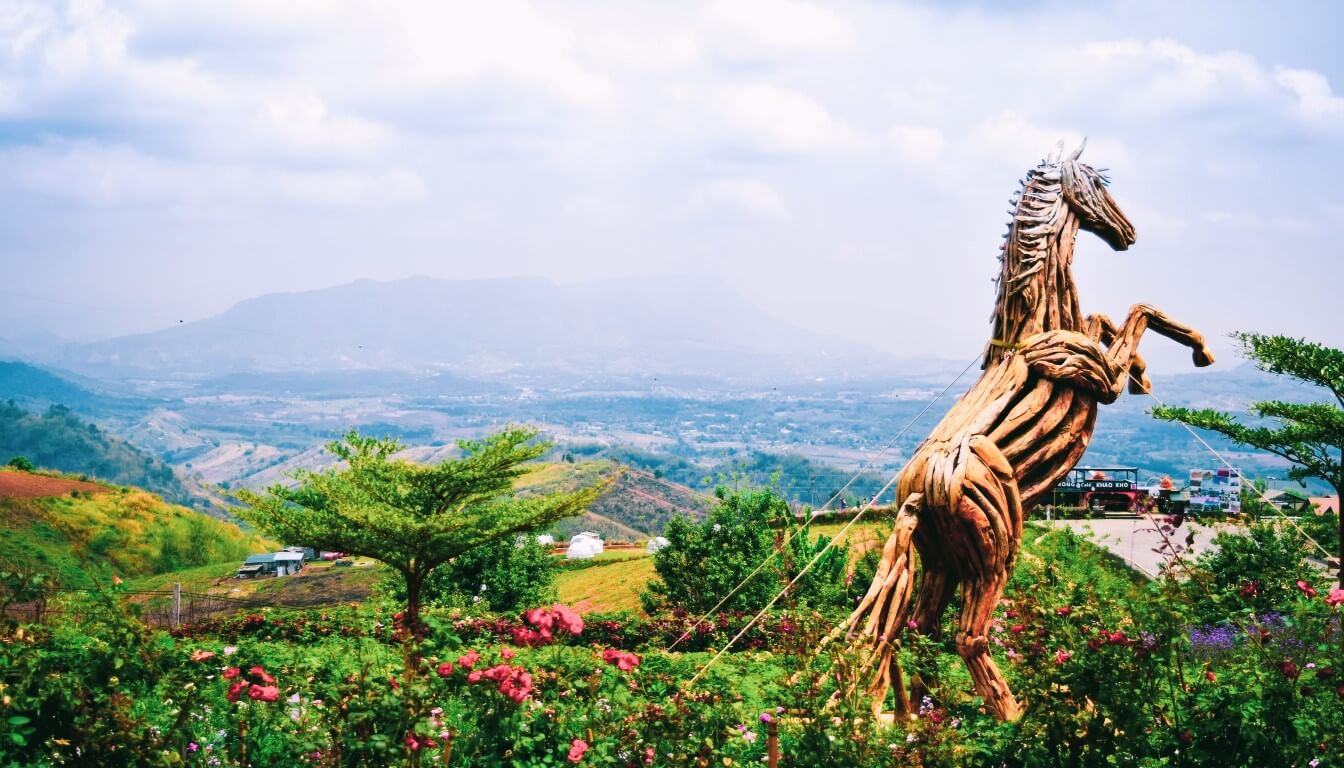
(655, 544)
(584, 545)
(546, 540)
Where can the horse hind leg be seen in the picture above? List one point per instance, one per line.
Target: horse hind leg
(883, 612)
(991, 512)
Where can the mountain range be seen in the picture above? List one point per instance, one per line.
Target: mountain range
(680, 327)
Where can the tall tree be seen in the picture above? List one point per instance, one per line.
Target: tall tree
(1311, 435)
(413, 517)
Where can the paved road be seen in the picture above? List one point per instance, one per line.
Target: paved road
(1134, 540)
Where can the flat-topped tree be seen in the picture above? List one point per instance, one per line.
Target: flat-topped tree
(1311, 435)
(413, 517)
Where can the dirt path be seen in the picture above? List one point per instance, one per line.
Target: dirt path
(25, 485)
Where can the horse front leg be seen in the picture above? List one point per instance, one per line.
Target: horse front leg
(1124, 345)
(1101, 329)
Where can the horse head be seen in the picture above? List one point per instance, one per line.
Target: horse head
(1085, 193)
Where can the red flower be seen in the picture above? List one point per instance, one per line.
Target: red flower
(1064, 610)
(507, 653)
(1250, 589)
(392, 681)
(1306, 588)
(1325, 673)
(1336, 597)
(1289, 669)
(624, 660)
(576, 749)
(1187, 738)
(474, 676)
(236, 690)
(468, 659)
(263, 692)
(568, 619)
(231, 673)
(1095, 643)
(1012, 614)
(412, 743)
(260, 674)
(1017, 628)
(541, 618)
(445, 669)
(201, 654)
(1212, 678)
(1062, 656)
(1117, 638)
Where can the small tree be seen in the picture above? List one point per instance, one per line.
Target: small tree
(414, 518)
(703, 561)
(21, 463)
(1311, 435)
(504, 575)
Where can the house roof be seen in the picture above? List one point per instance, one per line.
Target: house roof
(288, 556)
(262, 559)
(1325, 504)
(249, 568)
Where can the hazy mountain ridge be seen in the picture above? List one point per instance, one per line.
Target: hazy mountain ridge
(483, 328)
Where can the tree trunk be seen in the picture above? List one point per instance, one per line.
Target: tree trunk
(415, 581)
(1339, 513)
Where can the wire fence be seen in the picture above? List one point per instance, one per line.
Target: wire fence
(163, 609)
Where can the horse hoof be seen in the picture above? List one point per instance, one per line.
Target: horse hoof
(1203, 357)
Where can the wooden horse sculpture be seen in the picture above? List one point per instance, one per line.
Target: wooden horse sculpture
(1009, 439)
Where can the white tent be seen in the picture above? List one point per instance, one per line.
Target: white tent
(584, 545)
(655, 544)
(546, 540)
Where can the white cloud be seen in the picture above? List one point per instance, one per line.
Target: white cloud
(1315, 100)
(917, 144)
(747, 196)
(780, 120)
(782, 23)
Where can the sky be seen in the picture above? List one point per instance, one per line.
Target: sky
(844, 165)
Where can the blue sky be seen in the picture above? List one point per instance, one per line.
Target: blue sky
(845, 165)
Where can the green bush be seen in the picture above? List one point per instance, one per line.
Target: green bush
(703, 561)
(21, 463)
(506, 576)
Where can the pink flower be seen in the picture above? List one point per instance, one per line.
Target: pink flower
(1306, 588)
(231, 673)
(766, 717)
(474, 676)
(1017, 628)
(1212, 678)
(468, 659)
(568, 619)
(1062, 656)
(576, 749)
(201, 654)
(236, 690)
(263, 692)
(507, 653)
(541, 618)
(624, 660)
(260, 674)
(445, 669)
(1336, 597)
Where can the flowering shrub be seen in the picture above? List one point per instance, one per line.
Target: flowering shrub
(1112, 671)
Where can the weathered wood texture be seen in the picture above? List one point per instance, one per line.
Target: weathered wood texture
(1011, 437)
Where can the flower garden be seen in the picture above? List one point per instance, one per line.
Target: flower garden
(1212, 664)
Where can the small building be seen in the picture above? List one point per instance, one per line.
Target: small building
(546, 540)
(655, 544)
(282, 563)
(288, 563)
(584, 545)
(307, 552)
(256, 566)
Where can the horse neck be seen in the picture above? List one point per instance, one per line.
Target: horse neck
(1032, 302)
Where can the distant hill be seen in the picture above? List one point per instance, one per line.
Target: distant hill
(101, 531)
(32, 385)
(520, 326)
(58, 439)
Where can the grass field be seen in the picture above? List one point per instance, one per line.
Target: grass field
(612, 586)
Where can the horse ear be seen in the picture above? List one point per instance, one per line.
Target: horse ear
(1054, 155)
(1077, 153)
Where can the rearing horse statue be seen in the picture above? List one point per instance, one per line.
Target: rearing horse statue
(1011, 437)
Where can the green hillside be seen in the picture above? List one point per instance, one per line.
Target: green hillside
(85, 535)
(58, 439)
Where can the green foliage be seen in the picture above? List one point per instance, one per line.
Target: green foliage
(705, 560)
(1254, 569)
(79, 541)
(413, 518)
(1311, 435)
(21, 463)
(58, 439)
(503, 575)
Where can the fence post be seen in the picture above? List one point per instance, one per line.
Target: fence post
(772, 743)
(177, 603)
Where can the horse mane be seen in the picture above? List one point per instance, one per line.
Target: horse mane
(1035, 262)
